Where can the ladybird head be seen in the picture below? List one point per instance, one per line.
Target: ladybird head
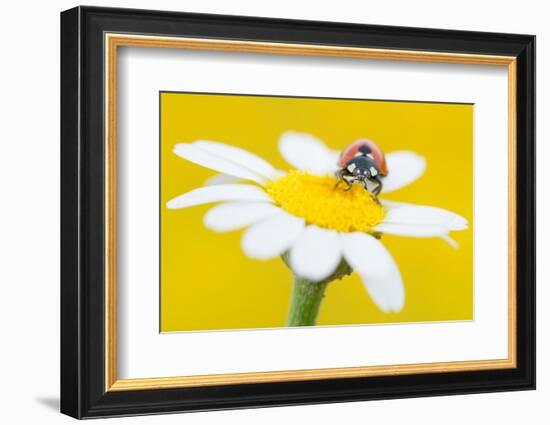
(362, 167)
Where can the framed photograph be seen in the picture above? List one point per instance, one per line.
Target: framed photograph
(261, 212)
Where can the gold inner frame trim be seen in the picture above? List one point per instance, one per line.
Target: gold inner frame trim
(113, 41)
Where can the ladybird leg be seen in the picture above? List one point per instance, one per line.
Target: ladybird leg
(339, 177)
(349, 185)
(376, 191)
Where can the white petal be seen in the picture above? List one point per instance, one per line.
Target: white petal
(204, 158)
(271, 237)
(240, 157)
(316, 253)
(307, 153)
(404, 167)
(221, 192)
(453, 244)
(377, 268)
(411, 230)
(424, 215)
(221, 179)
(393, 204)
(235, 215)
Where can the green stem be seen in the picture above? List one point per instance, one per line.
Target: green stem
(307, 295)
(305, 302)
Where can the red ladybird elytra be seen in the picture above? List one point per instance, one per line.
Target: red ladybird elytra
(363, 162)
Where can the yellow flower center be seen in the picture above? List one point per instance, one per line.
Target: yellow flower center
(315, 199)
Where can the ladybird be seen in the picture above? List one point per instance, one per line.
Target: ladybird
(362, 161)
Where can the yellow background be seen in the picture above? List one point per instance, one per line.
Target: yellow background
(206, 280)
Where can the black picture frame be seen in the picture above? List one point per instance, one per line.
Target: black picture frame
(83, 392)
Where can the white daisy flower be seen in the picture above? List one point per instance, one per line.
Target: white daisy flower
(301, 215)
